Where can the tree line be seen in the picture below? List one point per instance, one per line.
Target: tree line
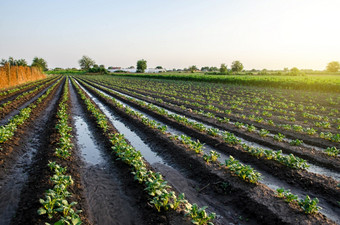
(37, 62)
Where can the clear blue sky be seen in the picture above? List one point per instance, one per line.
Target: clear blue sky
(173, 33)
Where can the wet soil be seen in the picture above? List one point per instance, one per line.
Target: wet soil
(18, 159)
(24, 101)
(317, 157)
(111, 192)
(314, 183)
(313, 140)
(262, 201)
(250, 108)
(11, 96)
(176, 176)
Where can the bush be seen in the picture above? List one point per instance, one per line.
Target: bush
(100, 70)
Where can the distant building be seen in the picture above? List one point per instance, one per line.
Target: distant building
(133, 70)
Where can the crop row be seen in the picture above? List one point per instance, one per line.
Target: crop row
(229, 138)
(248, 127)
(257, 116)
(205, 108)
(55, 205)
(251, 98)
(308, 205)
(331, 151)
(162, 196)
(243, 171)
(7, 131)
(266, 155)
(22, 87)
(21, 96)
(246, 172)
(210, 108)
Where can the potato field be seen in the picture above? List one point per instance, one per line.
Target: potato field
(104, 149)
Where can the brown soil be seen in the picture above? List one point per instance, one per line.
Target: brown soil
(13, 145)
(312, 140)
(40, 174)
(26, 88)
(258, 200)
(129, 204)
(17, 103)
(315, 183)
(315, 156)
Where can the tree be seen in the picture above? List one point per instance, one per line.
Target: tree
(13, 62)
(21, 62)
(223, 68)
(159, 67)
(333, 66)
(264, 72)
(236, 66)
(141, 66)
(213, 68)
(295, 72)
(193, 68)
(205, 68)
(40, 62)
(86, 63)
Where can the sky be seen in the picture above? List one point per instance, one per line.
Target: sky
(270, 34)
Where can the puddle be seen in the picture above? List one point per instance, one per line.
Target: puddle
(104, 186)
(313, 168)
(267, 179)
(129, 134)
(85, 140)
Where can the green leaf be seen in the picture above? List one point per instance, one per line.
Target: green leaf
(60, 222)
(42, 211)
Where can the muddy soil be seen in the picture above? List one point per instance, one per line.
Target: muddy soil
(23, 101)
(251, 197)
(317, 157)
(313, 140)
(111, 192)
(178, 177)
(11, 96)
(40, 175)
(18, 158)
(317, 184)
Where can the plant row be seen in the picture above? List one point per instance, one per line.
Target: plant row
(161, 194)
(331, 151)
(209, 105)
(232, 165)
(21, 96)
(227, 98)
(308, 205)
(7, 131)
(196, 146)
(24, 86)
(229, 138)
(56, 205)
(205, 109)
